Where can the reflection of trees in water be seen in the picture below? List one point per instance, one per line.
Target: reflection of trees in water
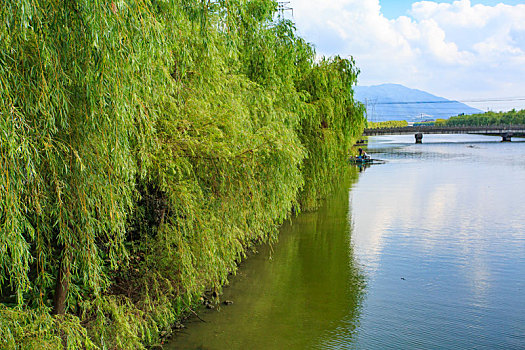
(309, 291)
(315, 287)
(323, 285)
(351, 282)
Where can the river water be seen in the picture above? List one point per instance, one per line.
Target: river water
(426, 251)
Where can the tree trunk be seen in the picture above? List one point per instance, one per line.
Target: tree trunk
(61, 288)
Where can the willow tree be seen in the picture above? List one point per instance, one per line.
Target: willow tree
(144, 146)
(334, 121)
(69, 116)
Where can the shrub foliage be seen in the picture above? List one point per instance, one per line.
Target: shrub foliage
(387, 124)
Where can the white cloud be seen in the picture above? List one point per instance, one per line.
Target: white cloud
(457, 50)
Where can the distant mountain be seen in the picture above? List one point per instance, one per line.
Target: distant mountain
(397, 102)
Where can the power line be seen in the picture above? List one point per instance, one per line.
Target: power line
(412, 110)
(502, 99)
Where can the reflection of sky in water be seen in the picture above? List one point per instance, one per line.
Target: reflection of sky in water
(448, 218)
(426, 251)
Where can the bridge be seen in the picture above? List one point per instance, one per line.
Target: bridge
(505, 131)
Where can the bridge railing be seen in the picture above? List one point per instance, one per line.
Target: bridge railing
(432, 129)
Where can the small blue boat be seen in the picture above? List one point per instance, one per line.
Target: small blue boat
(365, 160)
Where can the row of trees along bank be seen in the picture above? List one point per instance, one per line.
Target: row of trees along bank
(144, 146)
(488, 118)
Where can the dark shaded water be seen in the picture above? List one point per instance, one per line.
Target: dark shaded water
(426, 251)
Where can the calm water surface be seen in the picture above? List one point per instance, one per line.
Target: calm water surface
(426, 251)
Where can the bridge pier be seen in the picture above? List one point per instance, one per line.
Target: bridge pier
(419, 137)
(506, 137)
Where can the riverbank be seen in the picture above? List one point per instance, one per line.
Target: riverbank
(144, 149)
(296, 290)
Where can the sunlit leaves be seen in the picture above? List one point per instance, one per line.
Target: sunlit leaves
(145, 145)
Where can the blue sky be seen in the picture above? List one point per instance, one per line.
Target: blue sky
(395, 8)
(462, 50)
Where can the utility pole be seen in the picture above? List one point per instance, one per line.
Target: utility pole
(283, 6)
(366, 108)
